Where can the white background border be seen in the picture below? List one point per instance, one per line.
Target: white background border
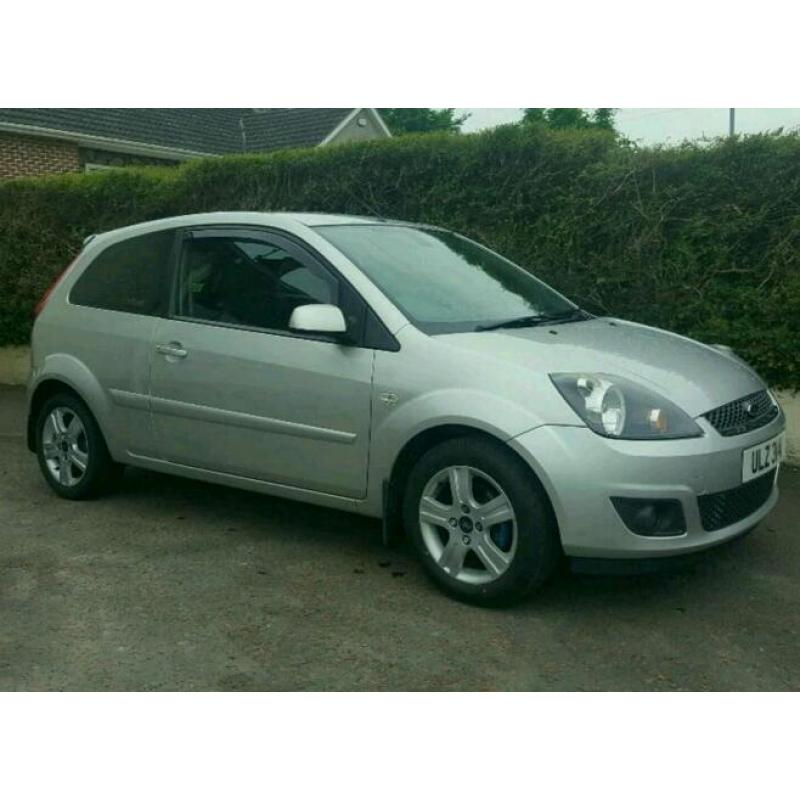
(500, 54)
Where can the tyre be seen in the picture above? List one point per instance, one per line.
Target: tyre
(480, 522)
(71, 450)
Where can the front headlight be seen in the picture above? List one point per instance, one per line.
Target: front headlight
(621, 409)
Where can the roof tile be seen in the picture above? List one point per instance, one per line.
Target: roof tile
(202, 130)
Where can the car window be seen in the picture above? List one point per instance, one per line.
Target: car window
(307, 282)
(251, 282)
(443, 282)
(130, 276)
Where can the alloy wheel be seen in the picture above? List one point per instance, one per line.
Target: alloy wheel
(65, 446)
(468, 524)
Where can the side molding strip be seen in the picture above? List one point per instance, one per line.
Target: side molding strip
(130, 399)
(239, 419)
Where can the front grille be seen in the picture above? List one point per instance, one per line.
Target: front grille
(743, 415)
(721, 509)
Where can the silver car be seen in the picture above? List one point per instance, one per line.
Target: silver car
(404, 372)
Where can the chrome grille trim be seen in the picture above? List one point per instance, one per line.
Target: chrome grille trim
(745, 414)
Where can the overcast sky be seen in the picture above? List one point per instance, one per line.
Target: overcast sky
(663, 125)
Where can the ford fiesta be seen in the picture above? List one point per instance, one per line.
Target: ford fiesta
(399, 371)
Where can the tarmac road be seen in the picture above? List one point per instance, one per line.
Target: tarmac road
(175, 585)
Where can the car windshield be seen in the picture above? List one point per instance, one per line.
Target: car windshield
(443, 282)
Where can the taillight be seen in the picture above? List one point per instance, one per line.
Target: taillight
(39, 307)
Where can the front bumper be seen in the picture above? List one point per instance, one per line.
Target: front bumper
(581, 471)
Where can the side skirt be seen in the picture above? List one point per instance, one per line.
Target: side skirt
(250, 484)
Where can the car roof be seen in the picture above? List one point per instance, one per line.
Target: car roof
(277, 218)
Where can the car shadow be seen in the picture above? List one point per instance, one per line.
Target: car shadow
(245, 513)
(256, 517)
(675, 587)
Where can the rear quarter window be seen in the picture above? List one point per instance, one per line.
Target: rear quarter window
(131, 276)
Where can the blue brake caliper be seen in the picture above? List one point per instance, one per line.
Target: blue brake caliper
(501, 535)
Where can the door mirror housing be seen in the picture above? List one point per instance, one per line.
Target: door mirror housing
(318, 318)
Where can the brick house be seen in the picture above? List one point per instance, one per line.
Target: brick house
(42, 141)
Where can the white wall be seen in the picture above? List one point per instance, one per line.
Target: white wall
(15, 364)
(790, 401)
(353, 132)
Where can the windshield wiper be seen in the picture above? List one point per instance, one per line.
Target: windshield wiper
(532, 320)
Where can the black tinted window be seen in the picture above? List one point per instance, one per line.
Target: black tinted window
(252, 282)
(130, 276)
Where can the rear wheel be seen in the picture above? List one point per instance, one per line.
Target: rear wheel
(480, 522)
(71, 450)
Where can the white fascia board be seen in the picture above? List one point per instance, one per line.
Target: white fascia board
(340, 127)
(384, 127)
(349, 118)
(105, 142)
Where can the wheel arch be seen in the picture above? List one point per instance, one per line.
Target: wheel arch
(421, 442)
(67, 374)
(46, 389)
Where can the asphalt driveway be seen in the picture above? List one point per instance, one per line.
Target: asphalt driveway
(172, 584)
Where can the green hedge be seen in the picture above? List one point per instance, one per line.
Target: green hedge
(702, 239)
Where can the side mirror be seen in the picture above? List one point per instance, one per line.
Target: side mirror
(318, 318)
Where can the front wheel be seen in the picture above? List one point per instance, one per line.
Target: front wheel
(480, 522)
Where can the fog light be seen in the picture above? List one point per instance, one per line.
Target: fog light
(654, 517)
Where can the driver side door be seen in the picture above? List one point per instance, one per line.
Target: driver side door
(234, 390)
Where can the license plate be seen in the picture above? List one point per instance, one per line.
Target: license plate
(762, 458)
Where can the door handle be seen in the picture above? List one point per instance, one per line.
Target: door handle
(172, 350)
